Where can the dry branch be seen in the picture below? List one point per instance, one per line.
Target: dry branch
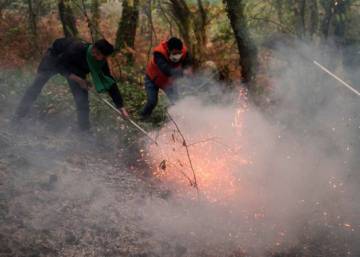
(194, 181)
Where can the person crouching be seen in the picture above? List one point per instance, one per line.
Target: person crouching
(170, 61)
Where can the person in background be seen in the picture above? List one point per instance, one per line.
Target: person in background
(74, 59)
(170, 61)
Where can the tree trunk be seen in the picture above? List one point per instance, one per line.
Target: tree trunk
(279, 6)
(163, 12)
(95, 18)
(3, 5)
(246, 48)
(299, 12)
(200, 29)
(191, 25)
(182, 17)
(151, 28)
(67, 19)
(328, 6)
(126, 33)
(340, 22)
(32, 19)
(314, 18)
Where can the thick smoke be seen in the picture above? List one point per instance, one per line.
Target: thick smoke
(294, 193)
(276, 181)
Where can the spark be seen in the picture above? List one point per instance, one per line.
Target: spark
(213, 160)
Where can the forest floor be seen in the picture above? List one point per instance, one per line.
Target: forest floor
(55, 184)
(67, 194)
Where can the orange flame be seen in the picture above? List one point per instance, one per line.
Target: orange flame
(214, 161)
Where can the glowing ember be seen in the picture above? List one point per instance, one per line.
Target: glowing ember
(214, 160)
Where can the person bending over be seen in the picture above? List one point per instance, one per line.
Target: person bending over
(74, 59)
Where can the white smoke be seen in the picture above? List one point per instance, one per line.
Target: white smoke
(297, 193)
(290, 188)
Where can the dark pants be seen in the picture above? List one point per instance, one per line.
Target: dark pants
(46, 70)
(152, 92)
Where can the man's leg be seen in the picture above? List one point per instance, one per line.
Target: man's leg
(81, 98)
(32, 93)
(152, 92)
(46, 69)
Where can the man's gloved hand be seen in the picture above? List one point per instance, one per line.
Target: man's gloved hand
(188, 72)
(124, 113)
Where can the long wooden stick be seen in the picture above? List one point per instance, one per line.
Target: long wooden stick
(337, 78)
(128, 119)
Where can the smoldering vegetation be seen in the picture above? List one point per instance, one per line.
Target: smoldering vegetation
(296, 194)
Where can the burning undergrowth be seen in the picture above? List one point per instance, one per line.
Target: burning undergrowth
(267, 183)
(279, 182)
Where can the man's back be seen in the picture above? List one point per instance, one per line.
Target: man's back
(71, 56)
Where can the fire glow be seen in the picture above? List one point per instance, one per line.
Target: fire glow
(214, 160)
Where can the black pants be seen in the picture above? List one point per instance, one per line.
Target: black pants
(152, 92)
(46, 70)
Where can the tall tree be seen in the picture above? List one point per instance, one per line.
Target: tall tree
(95, 19)
(181, 14)
(3, 5)
(126, 33)
(335, 19)
(192, 24)
(314, 18)
(67, 19)
(151, 28)
(32, 18)
(340, 22)
(246, 48)
(299, 13)
(328, 6)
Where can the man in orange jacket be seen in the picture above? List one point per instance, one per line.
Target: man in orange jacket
(170, 61)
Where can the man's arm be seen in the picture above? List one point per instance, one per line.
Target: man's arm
(188, 61)
(187, 65)
(114, 93)
(114, 90)
(165, 67)
(68, 67)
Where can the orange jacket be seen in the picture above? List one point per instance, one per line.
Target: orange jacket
(153, 71)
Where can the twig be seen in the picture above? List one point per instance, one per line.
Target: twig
(194, 182)
(203, 141)
(273, 22)
(166, 18)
